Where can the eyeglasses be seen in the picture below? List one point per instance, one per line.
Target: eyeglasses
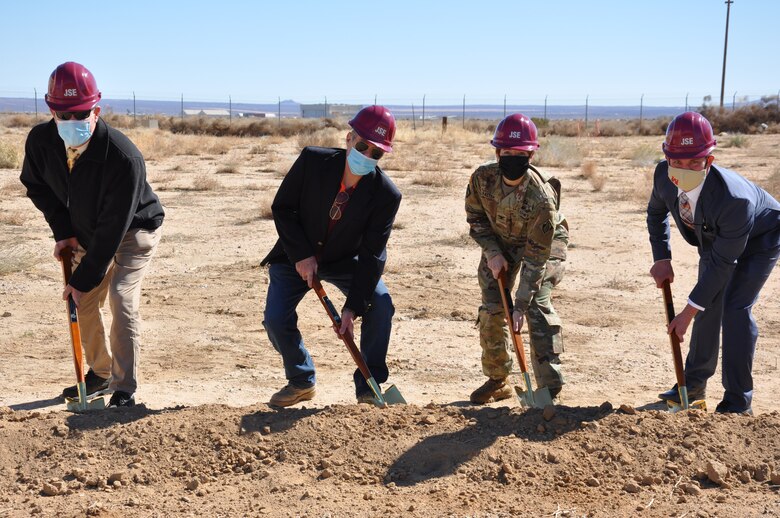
(376, 154)
(335, 210)
(66, 116)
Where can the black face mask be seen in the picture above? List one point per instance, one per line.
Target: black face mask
(513, 167)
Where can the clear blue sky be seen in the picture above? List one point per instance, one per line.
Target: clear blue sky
(254, 51)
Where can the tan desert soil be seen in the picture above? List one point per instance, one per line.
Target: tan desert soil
(203, 441)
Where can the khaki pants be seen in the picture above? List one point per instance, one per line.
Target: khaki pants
(123, 283)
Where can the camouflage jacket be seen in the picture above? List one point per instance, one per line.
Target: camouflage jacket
(524, 225)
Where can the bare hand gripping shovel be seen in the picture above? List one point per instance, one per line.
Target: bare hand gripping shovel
(528, 397)
(81, 404)
(392, 396)
(678, 363)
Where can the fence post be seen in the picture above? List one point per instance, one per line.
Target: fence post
(545, 107)
(423, 115)
(505, 106)
(464, 112)
(133, 108)
(182, 106)
(414, 121)
(36, 103)
(279, 113)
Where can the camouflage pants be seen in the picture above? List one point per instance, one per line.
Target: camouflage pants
(544, 327)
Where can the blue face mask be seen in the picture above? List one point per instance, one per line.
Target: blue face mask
(359, 163)
(74, 133)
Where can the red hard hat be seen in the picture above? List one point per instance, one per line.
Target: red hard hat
(72, 88)
(375, 124)
(516, 131)
(689, 135)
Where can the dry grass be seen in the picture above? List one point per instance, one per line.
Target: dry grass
(644, 155)
(17, 259)
(13, 188)
(158, 144)
(205, 182)
(640, 189)
(9, 155)
(739, 141)
(591, 173)
(559, 152)
(229, 168)
(326, 137)
(772, 184)
(264, 209)
(16, 218)
(435, 179)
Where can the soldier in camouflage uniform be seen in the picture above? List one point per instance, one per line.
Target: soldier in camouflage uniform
(512, 211)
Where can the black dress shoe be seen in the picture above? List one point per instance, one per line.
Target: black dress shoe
(724, 408)
(94, 383)
(120, 398)
(673, 394)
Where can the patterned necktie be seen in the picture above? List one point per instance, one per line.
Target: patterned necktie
(73, 155)
(685, 211)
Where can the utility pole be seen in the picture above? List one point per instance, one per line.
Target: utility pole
(279, 112)
(545, 108)
(505, 106)
(230, 110)
(725, 47)
(464, 111)
(686, 102)
(586, 113)
(182, 106)
(733, 101)
(641, 106)
(423, 115)
(374, 99)
(36, 103)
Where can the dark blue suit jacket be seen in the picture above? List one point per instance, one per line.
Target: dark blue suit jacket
(734, 218)
(301, 208)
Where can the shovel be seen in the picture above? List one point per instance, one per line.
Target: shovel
(81, 404)
(678, 363)
(528, 397)
(392, 395)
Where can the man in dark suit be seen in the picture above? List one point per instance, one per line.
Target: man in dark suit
(736, 227)
(333, 212)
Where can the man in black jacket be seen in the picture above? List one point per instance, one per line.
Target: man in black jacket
(89, 181)
(334, 211)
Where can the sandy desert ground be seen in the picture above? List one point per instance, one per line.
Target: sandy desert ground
(204, 442)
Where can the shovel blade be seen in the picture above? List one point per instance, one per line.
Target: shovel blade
(75, 405)
(393, 396)
(699, 404)
(530, 398)
(539, 398)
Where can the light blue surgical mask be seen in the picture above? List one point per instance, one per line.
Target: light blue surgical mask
(359, 163)
(74, 133)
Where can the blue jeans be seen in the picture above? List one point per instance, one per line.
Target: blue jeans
(280, 319)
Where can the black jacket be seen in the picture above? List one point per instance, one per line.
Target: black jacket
(105, 195)
(300, 211)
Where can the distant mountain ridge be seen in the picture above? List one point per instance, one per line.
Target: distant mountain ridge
(289, 108)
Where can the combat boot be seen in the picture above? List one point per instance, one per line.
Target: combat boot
(491, 390)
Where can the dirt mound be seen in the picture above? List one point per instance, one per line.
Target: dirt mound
(350, 460)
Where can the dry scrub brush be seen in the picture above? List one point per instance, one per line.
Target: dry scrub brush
(644, 155)
(591, 173)
(9, 155)
(559, 152)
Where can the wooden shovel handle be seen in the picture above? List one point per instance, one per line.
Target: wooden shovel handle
(506, 301)
(347, 337)
(673, 339)
(66, 255)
